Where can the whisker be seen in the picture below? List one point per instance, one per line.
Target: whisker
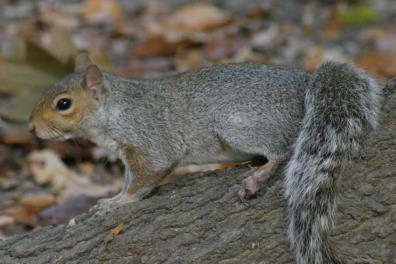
(56, 131)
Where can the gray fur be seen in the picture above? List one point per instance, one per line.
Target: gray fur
(185, 118)
(204, 116)
(234, 112)
(342, 106)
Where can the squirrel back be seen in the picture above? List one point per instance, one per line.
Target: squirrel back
(342, 106)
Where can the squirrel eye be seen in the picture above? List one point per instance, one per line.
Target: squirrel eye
(63, 104)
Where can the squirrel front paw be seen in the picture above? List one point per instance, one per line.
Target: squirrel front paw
(248, 188)
(103, 206)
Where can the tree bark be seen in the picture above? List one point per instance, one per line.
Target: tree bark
(199, 219)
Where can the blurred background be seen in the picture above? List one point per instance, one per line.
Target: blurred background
(45, 183)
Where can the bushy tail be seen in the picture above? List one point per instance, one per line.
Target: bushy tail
(342, 105)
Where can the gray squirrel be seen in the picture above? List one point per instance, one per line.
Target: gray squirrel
(225, 114)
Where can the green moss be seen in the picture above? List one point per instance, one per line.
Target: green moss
(358, 14)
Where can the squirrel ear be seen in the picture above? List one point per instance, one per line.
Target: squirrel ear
(93, 81)
(82, 61)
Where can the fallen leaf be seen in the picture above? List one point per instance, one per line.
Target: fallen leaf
(65, 150)
(72, 222)
(382, 64)
(114, 232)
(47, 167)
(38, 201)
(156, 46)
(6, 220)
(58, 41)
(199, 16)
(266, 39)
(101, 58)
(9, 184)
(66, 210)
(58, 17)
(16, 134)
(218, 48)
(86, 168)
(31, 206)
(144, 67)
(374, 33)
(313, 57)
(261, 10)
(103, 11)
(316, 55)
(23, 215)
(190, 59)
(332, 27)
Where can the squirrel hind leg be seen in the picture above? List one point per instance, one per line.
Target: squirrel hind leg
(250, 185)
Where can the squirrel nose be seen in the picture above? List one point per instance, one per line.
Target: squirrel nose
(32, 128)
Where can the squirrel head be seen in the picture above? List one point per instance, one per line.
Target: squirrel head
(67, 103)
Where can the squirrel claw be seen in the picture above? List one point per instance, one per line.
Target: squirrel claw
(242, 195)
(102, 207)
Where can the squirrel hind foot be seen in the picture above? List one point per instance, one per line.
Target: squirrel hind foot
(250, 185)
(248, 188)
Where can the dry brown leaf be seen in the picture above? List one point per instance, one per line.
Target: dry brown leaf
(199, 16)
(266, 39)
(13, 137)
(101, 58)
(58, 41)
(374, 33)
(58, 17)
(23, 214)
(218, 48)
(190, 23)
(6, 220)
(143, 67)
(31, 206)
(47, 167)
(86, 167)
(313, 57)
(190, 59)
(156, 46)
(38, 201)
(260, 11)
(82, 150)
(114, 232)
(333, 27)
(61, 213)
(382, 64)
(103, 11)
(316, 55)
